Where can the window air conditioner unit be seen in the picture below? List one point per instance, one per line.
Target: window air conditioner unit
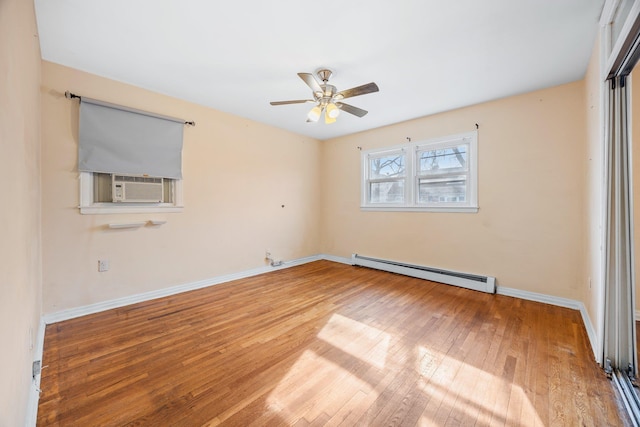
(137, 189)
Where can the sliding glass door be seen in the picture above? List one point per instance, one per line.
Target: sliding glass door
(621, 41)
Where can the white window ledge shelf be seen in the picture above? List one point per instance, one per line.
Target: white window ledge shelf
(92, 210)
(121, 225)
(137, 224)
(461, 209)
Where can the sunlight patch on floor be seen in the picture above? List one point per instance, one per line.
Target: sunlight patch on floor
(462, 390)
(362, 341)
(310, 386)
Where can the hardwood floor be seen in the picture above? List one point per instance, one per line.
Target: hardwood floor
(326, 344)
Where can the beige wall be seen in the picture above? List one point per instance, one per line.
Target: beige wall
(20, 275)
(529, 230)
(237, 176)
(593, 156)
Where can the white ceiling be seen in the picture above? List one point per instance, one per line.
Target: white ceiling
(426, 56)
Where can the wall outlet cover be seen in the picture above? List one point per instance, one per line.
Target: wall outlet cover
(103, 265)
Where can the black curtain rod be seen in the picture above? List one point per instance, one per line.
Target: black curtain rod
(70, 95)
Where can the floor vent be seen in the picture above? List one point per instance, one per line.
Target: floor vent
(464, 280)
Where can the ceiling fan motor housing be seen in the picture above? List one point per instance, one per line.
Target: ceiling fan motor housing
(327, 94)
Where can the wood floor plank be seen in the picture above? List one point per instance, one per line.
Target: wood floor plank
(325, 344)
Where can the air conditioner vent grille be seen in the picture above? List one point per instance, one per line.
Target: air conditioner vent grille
(137, 189)
(129, 178)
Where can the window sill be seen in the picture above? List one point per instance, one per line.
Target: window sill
(449, 209)
(108, 208)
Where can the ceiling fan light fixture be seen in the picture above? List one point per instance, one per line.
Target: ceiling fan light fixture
(328, 119)
(332, 111)
(314, 114)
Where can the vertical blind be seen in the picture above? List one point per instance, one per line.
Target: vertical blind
(117, 139)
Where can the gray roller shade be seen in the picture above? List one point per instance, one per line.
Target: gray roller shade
(116, 139)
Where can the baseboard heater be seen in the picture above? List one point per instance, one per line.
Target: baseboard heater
(464, 280)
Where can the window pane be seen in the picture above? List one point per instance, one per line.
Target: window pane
(386, 192)
(449, 190)
(386, 167)
(167, 186)
(443, 160)
(102, 187)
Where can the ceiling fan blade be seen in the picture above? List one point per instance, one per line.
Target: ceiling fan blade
(351, 109)
(295, 101)
(310, 81)
(357, 91)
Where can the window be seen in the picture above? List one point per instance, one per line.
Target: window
(96, 196)
(435, 175)
(387, 177)
(130, 161)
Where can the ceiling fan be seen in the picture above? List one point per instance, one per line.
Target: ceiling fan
(328, 99)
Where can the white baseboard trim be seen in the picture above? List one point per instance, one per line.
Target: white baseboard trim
(591, 332)
(34, 391)
(160, 293)
(341, 260)
(561, 302)
(534, 296)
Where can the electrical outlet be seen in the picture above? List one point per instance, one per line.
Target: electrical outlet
(103, 265)
(36, 368)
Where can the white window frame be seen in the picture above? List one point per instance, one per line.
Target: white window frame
(88, 206)
(405, 179)
(412, 176)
